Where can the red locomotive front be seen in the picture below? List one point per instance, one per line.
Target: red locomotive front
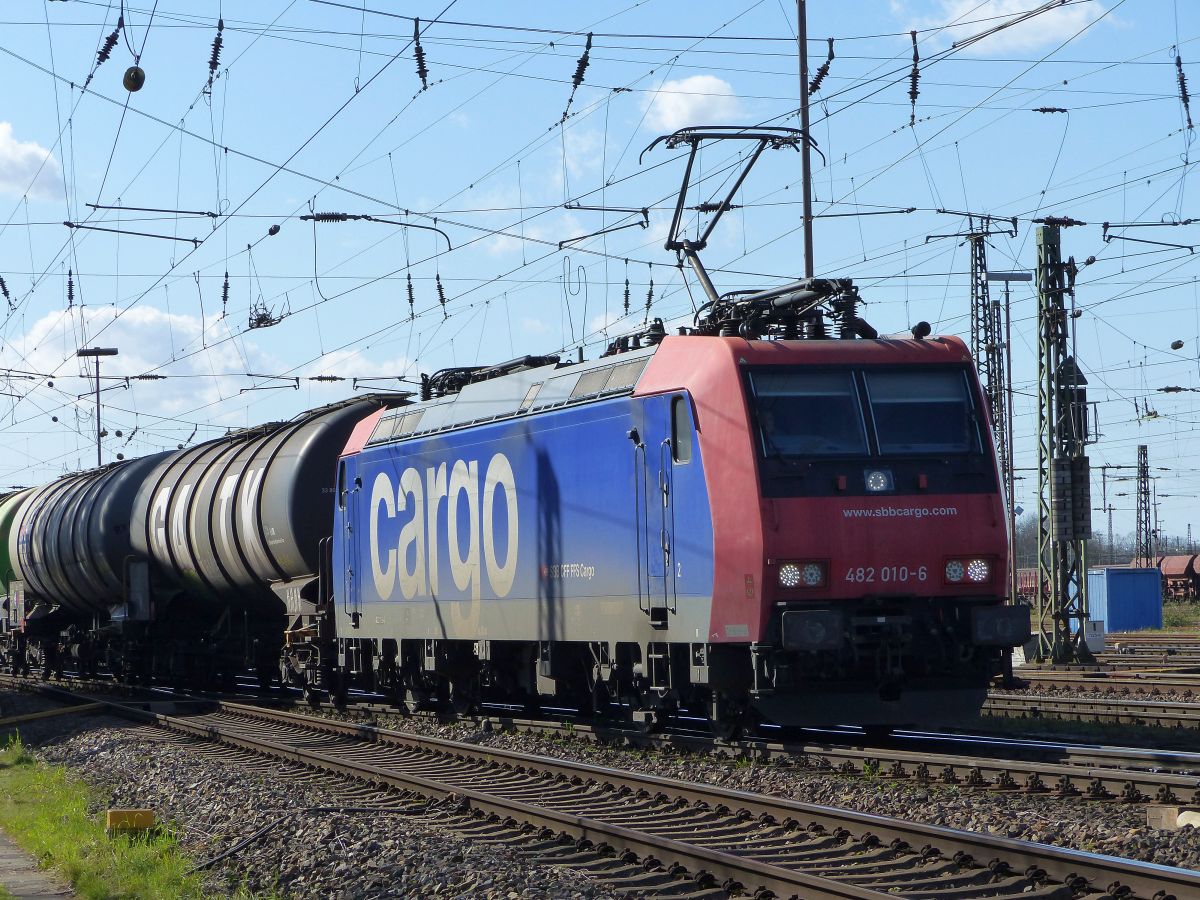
(860, 550)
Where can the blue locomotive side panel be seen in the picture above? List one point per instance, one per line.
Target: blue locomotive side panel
(548, 516)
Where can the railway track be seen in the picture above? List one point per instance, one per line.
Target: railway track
(1172, 638)
(1159, 713)
(1144, 681)
(719, 838)
(1126, 775)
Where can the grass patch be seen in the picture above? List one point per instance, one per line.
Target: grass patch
(44, 809)
(1181, 615)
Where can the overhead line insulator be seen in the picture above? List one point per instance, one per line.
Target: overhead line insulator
(815, 84)
(914, 77)
(419, 53)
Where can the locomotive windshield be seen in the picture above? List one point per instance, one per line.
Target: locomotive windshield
(922, 412)
(866, 412)
(809, 413)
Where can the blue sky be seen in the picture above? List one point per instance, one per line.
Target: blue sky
(318, 106)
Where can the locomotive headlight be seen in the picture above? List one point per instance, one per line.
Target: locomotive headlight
(789, 575)
(802, 574)
(955, 571)
(878, 480)
(978, 570)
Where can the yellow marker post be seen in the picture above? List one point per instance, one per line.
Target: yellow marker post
(128, 820)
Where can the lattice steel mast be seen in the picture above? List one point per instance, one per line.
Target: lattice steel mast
(987, 321)
(1144, 553)
(1064, 489)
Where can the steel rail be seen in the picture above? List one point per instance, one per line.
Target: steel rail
(1071, 867)
(1135, 682)
(708, 865)
(878, 840)
(1096, 773)
(1125, 712)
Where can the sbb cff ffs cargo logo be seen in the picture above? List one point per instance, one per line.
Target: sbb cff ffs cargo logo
(414, 560)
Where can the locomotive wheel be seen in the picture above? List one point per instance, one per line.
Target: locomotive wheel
(464, 695)
(265, 677)
(877, 734)
(726, 717)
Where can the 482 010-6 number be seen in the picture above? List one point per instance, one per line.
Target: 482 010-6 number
(886, 574)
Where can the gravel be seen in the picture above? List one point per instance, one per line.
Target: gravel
(214, 803)
(217, 803)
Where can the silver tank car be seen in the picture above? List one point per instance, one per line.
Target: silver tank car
(70, 540)
(234, 518)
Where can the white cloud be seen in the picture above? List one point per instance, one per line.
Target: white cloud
(1043, 30)
(534, 326)
(698, 100)
(22, 170)
(145, 337)
(604, 321)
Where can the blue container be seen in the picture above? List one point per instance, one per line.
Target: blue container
(1125, 599)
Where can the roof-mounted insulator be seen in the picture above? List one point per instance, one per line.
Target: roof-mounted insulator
(70, 288)
(913, 78)
(214, 59)
(412, 303)
(577, 78)
(1183, 91)
(441, 294)
(225, 294)
(815, 84)
(419, 53)
(106, 50)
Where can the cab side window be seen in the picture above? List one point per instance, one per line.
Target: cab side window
(681, 430)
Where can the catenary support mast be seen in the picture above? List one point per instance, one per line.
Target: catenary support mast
(1064, 491)
(1144, 553)
(805, 153)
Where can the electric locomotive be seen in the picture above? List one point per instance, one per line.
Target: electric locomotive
(747, 520)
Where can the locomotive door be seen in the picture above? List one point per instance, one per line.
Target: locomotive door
(348, 492)
(657, 526)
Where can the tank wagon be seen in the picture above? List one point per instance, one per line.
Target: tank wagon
(177, 565)
(806, 531)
